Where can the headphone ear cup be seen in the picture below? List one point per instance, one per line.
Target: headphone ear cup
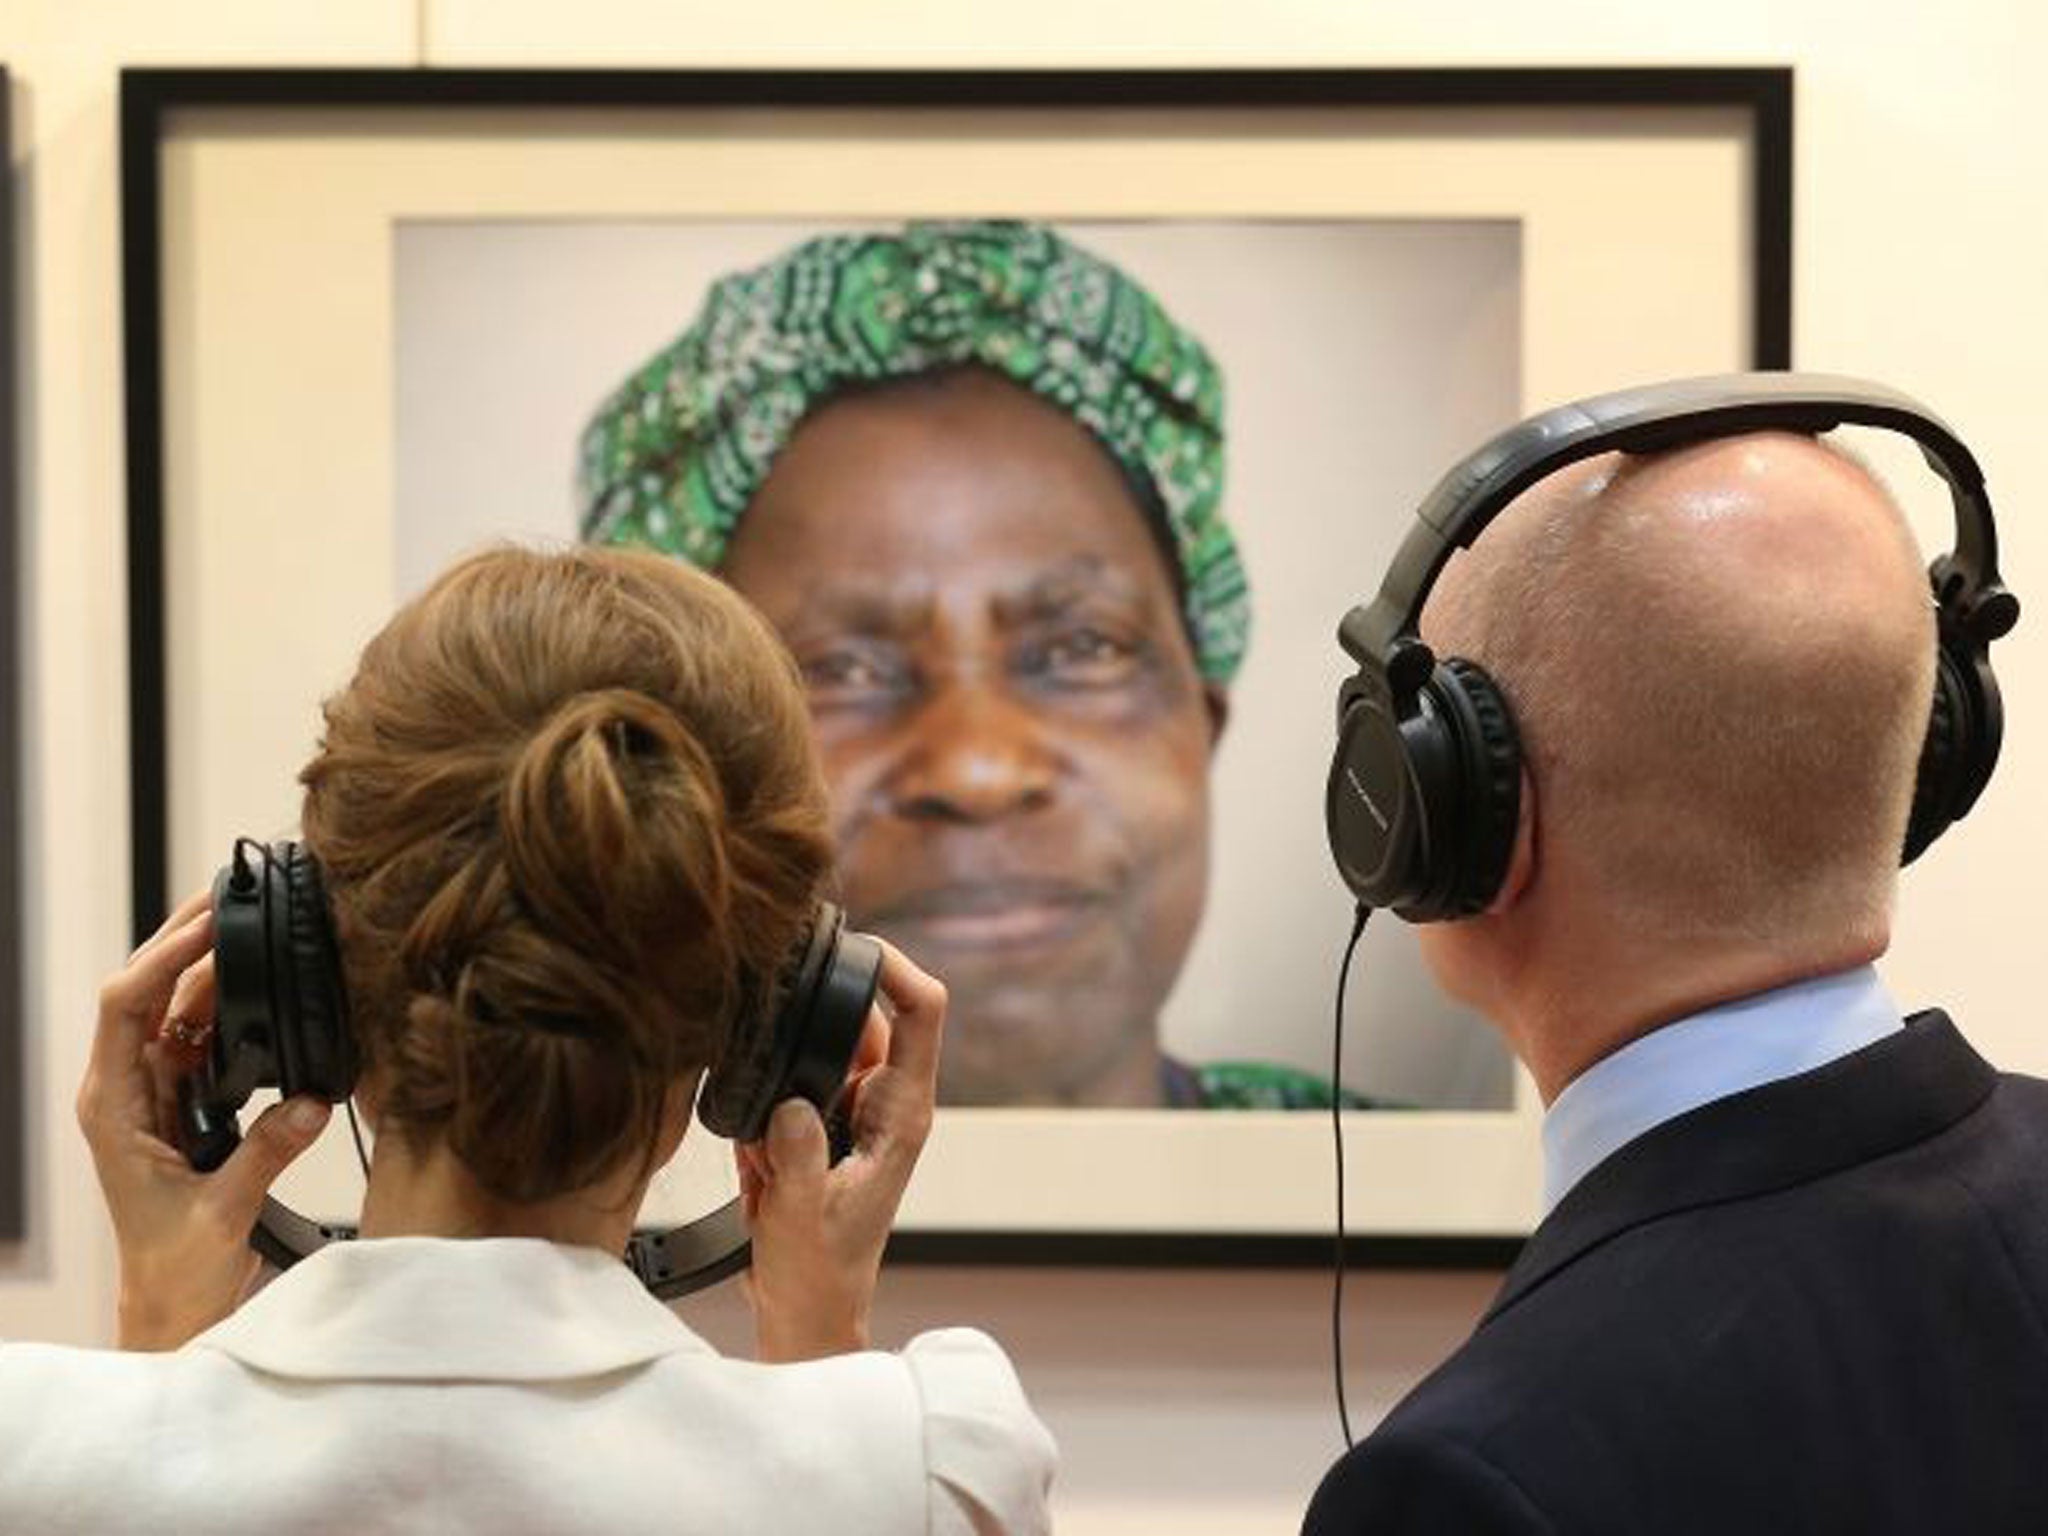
(1964, 726)
(1474, 824)
(741, 1092)
(804, 1046)
(317, 1049)
(1369, 805)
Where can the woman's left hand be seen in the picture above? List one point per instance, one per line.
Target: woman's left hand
(819, 1227)
(182, 1236)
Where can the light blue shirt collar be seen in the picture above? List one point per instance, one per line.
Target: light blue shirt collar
(1704, 1057)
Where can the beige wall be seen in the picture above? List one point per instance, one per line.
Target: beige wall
(1195, 1402)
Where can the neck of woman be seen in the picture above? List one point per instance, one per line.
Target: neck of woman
(427, 1192)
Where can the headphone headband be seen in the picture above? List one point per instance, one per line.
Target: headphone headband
(1652, 419)
(1423, 796)
(281, 1020)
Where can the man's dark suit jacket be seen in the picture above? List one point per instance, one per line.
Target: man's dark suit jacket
(1817, 1306)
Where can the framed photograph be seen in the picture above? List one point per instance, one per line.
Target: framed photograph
(1054, 419)
(13, 1047)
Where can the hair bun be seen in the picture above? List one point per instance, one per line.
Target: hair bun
(613, 812)
(572, 821)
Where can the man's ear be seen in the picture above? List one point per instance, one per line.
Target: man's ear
(1522, 862)
(1216, 700)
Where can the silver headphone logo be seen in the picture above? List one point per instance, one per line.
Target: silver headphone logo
(1358, 789)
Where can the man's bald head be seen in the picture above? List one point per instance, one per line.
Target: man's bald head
(1720, 659)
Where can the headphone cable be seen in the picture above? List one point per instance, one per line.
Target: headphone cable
(356, 1131)
(1337, 1135)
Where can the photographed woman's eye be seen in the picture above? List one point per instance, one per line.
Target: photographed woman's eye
(854, 674)
(1082, 656)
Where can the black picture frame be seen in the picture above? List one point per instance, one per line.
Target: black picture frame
(13, 1053)
(150, 98)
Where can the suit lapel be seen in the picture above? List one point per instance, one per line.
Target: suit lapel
(1905, 1088)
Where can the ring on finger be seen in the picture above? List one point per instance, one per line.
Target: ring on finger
(186, 1034)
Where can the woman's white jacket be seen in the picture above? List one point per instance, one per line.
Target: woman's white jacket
(508, 1386)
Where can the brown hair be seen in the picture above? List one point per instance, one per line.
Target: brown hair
(571, 821)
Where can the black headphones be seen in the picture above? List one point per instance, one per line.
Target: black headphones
(281, 1020)
(1425, 788)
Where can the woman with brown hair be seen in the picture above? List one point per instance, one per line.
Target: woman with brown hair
(571, 821)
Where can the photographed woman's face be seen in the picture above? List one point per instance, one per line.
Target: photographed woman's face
(1014, 730)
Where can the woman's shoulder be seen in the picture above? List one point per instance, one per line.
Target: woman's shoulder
(68, 1391)
(983, 1441)
(963, 1372)
(29, 1370)
(944, 1373)
(944, 1420)
(75, 1422)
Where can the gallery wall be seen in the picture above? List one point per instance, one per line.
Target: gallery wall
(1189, 1401)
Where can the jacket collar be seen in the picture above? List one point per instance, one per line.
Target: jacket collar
(451, 1309)
(1906, 1087)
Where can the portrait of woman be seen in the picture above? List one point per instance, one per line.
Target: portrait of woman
(1051, 516)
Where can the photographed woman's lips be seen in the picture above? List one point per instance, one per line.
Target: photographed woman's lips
(995, 914)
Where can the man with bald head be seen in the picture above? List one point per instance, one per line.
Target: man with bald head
(1793, 1274)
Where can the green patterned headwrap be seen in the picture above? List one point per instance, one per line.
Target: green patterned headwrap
(673, 457)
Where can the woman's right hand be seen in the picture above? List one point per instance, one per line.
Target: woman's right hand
(182, 1236)
(818, 1227)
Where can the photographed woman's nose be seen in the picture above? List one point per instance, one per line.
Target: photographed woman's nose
(976, 754)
